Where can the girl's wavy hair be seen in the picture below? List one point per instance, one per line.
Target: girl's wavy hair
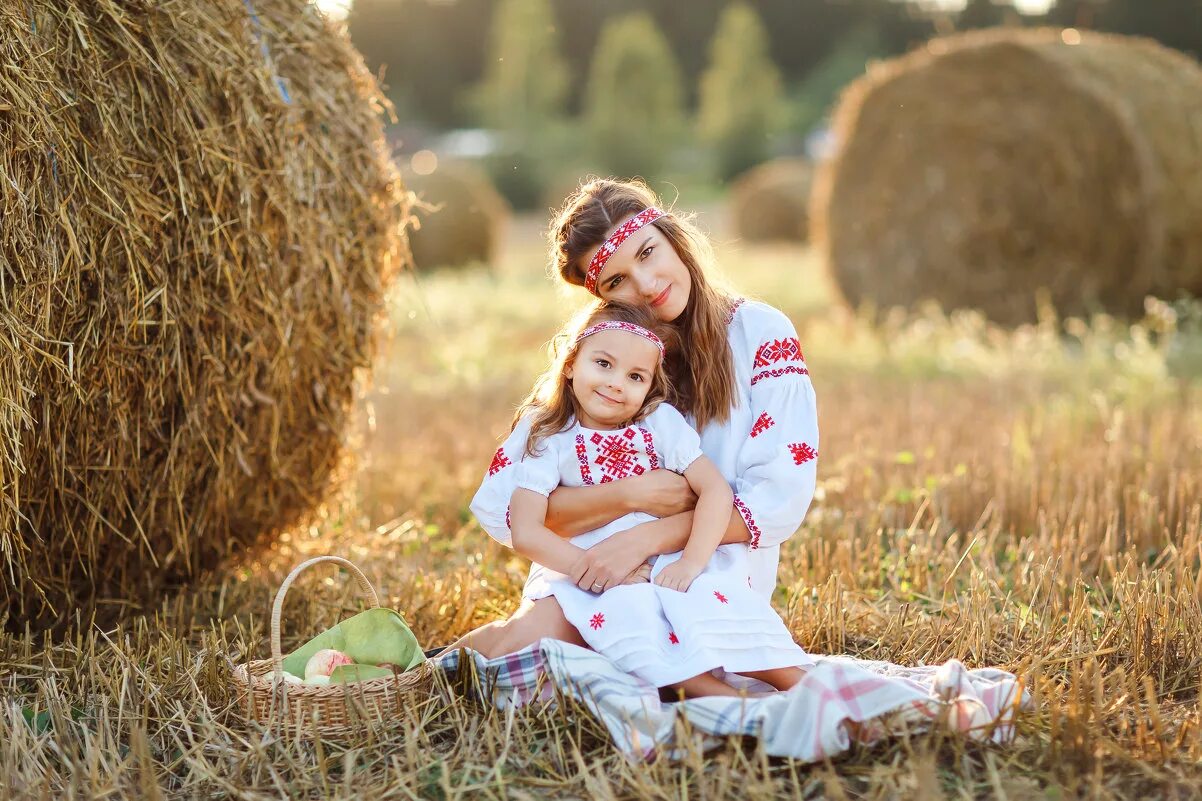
(701, 370)
(551, 401)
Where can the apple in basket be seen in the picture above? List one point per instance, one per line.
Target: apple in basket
(322, 664)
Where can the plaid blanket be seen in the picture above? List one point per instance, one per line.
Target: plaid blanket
(840, 699)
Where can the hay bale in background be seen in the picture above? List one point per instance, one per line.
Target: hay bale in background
(460, 217)
(986, 166)
(769, 202)
(200, 218)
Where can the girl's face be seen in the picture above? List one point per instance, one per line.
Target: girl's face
(611, 376)
(646, 269)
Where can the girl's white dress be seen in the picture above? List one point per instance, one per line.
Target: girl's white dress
(767, 449)
(660, 635)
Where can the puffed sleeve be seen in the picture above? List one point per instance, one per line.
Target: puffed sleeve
(777, 466)
(491, 502)
(676, 441)
(540, 473)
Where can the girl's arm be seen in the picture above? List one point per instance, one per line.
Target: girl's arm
(709, 525)
(532, 539)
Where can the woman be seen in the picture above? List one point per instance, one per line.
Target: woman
(739, 375)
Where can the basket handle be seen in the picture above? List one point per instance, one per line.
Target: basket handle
(277, 655)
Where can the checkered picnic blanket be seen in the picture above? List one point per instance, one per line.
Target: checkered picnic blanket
(809, 722)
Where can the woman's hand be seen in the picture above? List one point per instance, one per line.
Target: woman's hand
(661, 493)
(641, 575)
(609, 562)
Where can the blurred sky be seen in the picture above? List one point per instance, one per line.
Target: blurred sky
(338, 8)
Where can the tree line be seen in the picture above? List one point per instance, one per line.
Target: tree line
(620, 85)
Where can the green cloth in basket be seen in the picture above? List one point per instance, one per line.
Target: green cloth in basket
(372, 637)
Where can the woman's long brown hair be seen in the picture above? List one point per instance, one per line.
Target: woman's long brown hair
(702, 369)
(551, 400)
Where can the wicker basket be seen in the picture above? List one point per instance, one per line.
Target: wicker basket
(331, 710)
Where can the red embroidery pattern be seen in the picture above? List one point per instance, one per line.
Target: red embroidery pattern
(617, 456)
(650, 449)
(802, 452)
(777, 373)
(720, 596)
(630, 328)
(597, 621)
(507, 523)
(762, 424)
(745, 513)
(734, 307)
(672, 638)
(586, 475)
(778, 350)
(499, 462)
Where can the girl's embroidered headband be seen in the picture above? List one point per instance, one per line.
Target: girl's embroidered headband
(615, 240)
(630, 328)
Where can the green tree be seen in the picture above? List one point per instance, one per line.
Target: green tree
(740, 101)
(526, 80)
(633, 111)
(522, 96)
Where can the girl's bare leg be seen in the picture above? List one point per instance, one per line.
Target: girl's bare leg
(703, 685)
(532, 621)
(780, 678)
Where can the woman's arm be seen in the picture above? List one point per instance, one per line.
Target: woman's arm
(534, 540)
(660, 493)
(609, 561)
(776, 467)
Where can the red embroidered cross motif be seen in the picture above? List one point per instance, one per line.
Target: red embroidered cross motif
(499, 462)
(720, 596)
(597, 621)
(616, 456)
(761, 425)
(779, 350)
(802, 452)
(672, 638)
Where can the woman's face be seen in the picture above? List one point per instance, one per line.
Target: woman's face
(646, 269)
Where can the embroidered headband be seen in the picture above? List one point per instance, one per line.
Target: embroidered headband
(630, 328)
(615, 240)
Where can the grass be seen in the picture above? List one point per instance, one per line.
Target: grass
(1030, 499)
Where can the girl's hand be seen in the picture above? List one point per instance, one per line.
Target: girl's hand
(641, 575)
(679, 575)
(608, 563)
(661, 493)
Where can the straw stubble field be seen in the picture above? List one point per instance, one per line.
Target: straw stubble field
(1015, 498)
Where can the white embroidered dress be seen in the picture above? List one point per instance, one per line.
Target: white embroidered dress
(767, 449)
(660, 635)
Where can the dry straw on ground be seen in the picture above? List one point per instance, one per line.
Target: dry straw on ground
(460, 219)
(769, 201)
(199, 221)
(983, 167)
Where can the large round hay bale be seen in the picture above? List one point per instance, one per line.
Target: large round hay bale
(199, 220)
(460, 217)
(769, 202)
(985, 167)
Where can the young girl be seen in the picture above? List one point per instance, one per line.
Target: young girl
(599, 414)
